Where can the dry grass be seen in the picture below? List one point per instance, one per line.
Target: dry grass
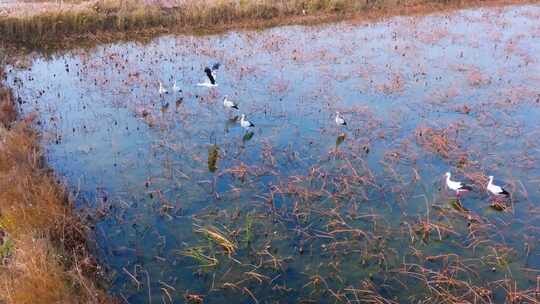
(8, 109)
(28, 194)
(47, 254)
(97, 19)
(34, 272)
(115, 15)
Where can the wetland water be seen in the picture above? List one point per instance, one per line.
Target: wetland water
(192, 207)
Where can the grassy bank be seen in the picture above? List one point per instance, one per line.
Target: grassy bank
(98, 19)
(112, 16)
(43, 244)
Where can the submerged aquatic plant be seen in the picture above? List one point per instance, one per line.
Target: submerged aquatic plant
(201, 256)
(219, 238)
(248, 230)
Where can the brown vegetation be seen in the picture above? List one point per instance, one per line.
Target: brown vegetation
(113, 17)
(8, 111)
(43, 247)
(435, 141)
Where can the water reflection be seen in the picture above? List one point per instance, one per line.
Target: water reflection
(179, 103)
(340, 139)
(213, 155)
(248, 136)
(457, 205)
(231, 122)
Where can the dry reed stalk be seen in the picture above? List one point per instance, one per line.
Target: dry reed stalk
(218, 237)
(8, 109)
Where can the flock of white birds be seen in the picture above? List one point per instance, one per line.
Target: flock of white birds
(211, 82)
(458, 187)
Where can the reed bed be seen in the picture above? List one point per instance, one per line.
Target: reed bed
(96, 20)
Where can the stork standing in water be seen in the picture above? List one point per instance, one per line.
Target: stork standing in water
(244, 123)
(458, 187)
(162, 90)
(496, 190)
(176, 88)
(211, 74)
(229, 104)
(340, 121)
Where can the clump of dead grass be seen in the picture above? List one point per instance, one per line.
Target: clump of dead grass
(34, 272)
(436, 141)
(8, 109)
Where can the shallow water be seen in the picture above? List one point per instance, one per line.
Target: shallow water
(312, 216)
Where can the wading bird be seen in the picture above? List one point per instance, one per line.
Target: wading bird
(229, 104)
(458, 187)
(176, 88)
(246, 124)
(496, 190)
(340, 121)
(162, 89)
(210, 73)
